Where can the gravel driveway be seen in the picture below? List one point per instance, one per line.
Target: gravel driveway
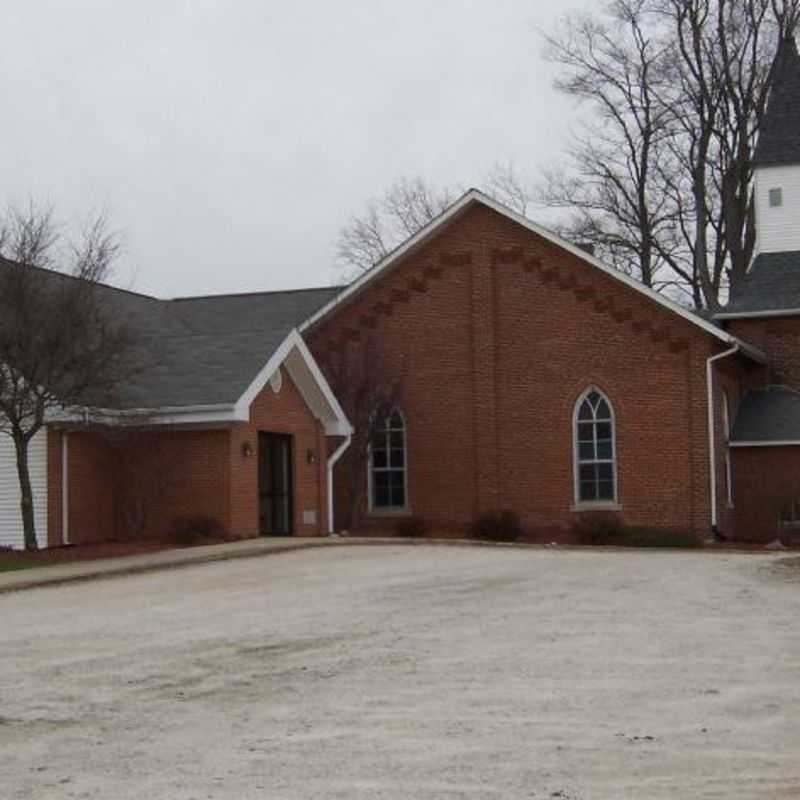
(408, 672)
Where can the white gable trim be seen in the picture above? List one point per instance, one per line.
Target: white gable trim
(474, 196)
(301, 371)
(292, 353)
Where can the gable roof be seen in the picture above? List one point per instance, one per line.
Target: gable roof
(196, 358)
(779, 139)
(770, 288)
(476, 197)
(767, 417)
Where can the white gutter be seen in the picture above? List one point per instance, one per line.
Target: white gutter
(335, 456)
(712, 444)
(64, 487)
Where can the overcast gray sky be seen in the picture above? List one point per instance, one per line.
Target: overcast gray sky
(229, 141)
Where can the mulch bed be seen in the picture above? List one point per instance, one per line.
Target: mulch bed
(87, 552)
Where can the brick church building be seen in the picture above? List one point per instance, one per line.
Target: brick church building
(526, 375)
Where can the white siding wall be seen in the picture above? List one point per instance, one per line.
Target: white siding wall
(10, 521)
(778, 228)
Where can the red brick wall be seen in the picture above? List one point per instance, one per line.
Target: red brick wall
(163, 476)
(779, 338)
(497, 332)
(765, 478)
(137, 484)
(91, 462)
(285, 412)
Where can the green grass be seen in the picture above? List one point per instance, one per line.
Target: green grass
(14, 564)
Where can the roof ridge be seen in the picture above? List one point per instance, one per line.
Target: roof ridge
(260, 293)
(76, 278)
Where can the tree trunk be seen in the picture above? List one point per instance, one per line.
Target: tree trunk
(25, 491)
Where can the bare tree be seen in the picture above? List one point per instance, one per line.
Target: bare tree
(406, 207)
(723, 51)
(504, 183)
(661, 181)
(60, 347)
(369, 391)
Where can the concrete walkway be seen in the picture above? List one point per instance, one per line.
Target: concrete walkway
(162, 559)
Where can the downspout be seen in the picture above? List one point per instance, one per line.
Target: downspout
(65, 487)
(335, 456)
(712, 439)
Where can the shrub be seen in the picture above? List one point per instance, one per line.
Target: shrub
(598, 529)
(641, 536)
(189, 530)
(498, 526)
(608, 529)
(411, 528)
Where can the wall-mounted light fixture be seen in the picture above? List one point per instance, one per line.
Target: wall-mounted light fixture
(311, 456)
(247, 449)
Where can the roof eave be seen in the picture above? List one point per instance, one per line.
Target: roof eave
(775, 312)
(473, 197)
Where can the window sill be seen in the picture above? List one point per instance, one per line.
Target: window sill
(389, 512)
(579, 508)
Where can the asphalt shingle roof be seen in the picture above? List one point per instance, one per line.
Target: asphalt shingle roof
(207, 350)
(202, 350)
(768, 415)
(779, 139)
(772, 284)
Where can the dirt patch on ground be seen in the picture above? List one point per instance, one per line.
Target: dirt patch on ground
(397, 672)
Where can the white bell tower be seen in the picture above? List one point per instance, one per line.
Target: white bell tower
(777, 158)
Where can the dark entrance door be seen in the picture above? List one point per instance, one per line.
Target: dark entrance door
(275, 470)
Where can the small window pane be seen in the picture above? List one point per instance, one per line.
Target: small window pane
(606, 490)
(586, 432)
(603, 411)
(382, 499)
(396, 439)
(399, 497)
(594, 398)
(605, 472)
(604, 430)
(776, 197)
(588, 491)
(398, 459)
(586, 451)
(586, 413)
(379, 458)
(396, 421)
(604, 449)
(588, 472)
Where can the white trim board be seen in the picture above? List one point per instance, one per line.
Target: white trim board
(473, 197)
(775, 443)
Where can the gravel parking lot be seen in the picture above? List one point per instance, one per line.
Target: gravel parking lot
(409, 672)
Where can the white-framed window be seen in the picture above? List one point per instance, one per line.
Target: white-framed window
(388, 473)
(726, 432)
(595, 449)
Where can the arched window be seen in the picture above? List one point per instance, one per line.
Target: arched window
(595, 449)
(387, 465)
